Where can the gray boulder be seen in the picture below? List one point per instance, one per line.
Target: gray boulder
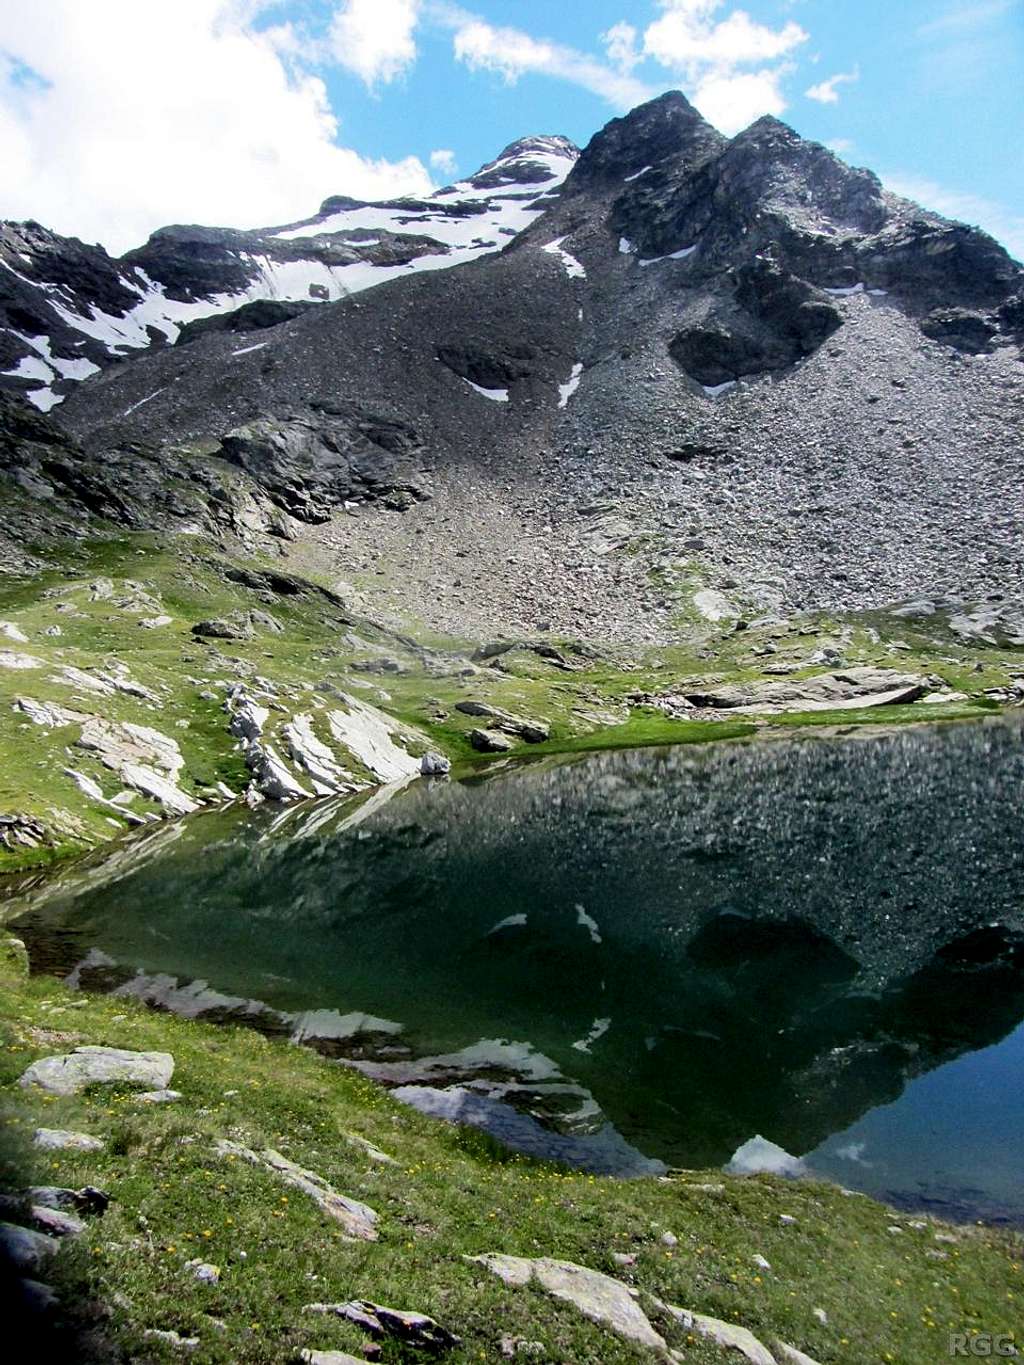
(433, 764)
(596, 1295)
(59, 1140)
(73, 1071)
(532, 731)
(490, 742)
(24, 1250)
(234, 627)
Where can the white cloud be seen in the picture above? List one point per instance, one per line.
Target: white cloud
(687, 39)
(511, 53)
(964, 15)
(827, 92)
(733, 100)
(443, 160)
(1000, 222)
(375, 39)
(620, 44)
(709, 54)
(147, 114)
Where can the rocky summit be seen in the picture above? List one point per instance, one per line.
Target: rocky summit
(672, 402)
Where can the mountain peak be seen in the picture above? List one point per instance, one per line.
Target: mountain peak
(668, 126)
(542, 160)
(546, 144)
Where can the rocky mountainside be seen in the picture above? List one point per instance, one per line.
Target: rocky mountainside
(68, 309)
(741, 356)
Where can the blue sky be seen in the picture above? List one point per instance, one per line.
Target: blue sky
(119, 116)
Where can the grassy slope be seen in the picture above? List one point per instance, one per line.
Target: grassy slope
(886, 1298)
(586, 707)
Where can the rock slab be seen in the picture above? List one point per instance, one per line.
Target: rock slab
(597, 1296)
(358, 1220)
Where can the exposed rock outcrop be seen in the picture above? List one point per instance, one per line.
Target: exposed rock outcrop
(357, 1220)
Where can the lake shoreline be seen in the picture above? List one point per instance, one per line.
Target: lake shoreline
(837, 1276)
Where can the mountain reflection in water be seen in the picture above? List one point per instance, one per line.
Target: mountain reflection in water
(626, 959)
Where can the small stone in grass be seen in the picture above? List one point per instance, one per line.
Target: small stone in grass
(158, 1096)
(821, 1315)
(330, 1358)
(669, 1239)
(203, 1271)
(172, 1339)
(761, 1263)
(786, 1219)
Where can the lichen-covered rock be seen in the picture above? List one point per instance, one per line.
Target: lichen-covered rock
(532, 731)
(843, 689)
(13, 957)
(330, 1358)
(234, 627)
(55, 1222)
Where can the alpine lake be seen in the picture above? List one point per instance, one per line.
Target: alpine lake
(803, 954)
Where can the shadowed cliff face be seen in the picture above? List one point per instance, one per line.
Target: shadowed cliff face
(762, 938)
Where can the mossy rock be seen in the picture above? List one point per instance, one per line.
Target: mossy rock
(13, 958)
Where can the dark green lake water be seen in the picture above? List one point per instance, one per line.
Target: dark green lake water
(630, 959)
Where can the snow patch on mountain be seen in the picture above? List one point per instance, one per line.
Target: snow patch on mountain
(573, 268)
(566, 390)
(346, 248)
(495, 395)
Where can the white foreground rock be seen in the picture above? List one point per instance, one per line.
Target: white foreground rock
(789, 1355)
(597, 1296)
(71, 1072)
(48, 713)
